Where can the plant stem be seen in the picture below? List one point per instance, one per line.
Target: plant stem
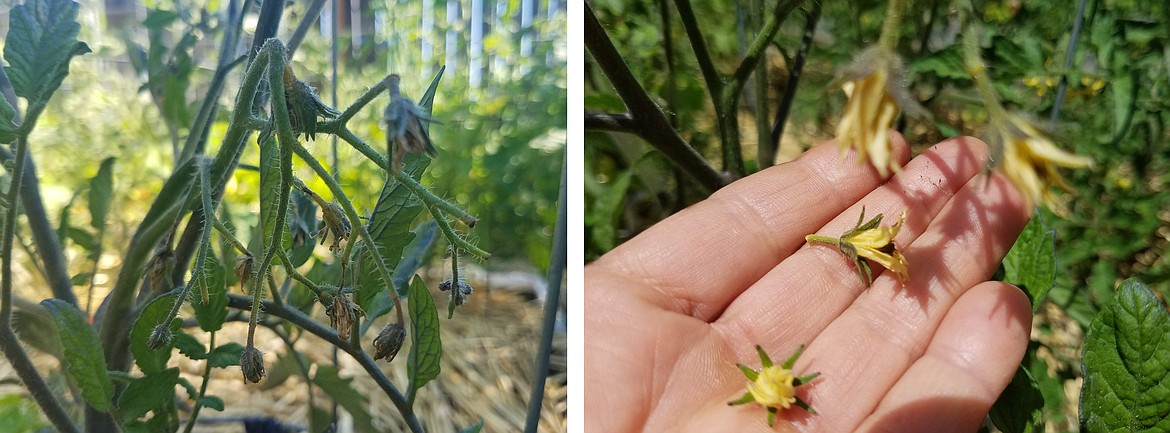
(810, 27)
(418, 189)
(1069, 55)
(892, 26)
(974, 62)
(765, 153)
(652, 124)
(355, 223)
(613, 122)
(202, 387)
(9, 343)
(552, 303)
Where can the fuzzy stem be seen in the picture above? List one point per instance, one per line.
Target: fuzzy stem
(418, 189)
(355, 222)
(892, 27)
(202, 387)
(9, 344)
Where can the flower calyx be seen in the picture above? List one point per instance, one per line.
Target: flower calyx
(869, 240)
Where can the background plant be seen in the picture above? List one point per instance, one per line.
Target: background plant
(1097, 69)
(199, 228)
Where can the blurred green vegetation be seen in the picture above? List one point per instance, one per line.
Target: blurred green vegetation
(1114, 110)
(500, 141)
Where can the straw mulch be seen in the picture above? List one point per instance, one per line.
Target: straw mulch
(488, 354)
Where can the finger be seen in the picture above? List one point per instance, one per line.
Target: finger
(704, 256)
(969, 362)
(865, 350)
(818, 282)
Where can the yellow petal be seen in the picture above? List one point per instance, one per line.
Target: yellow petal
(773, 387)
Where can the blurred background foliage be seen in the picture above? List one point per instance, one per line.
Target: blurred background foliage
(1114, 109)
(501, 105)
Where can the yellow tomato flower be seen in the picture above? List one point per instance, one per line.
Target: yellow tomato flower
(1030, 159)
(876, 96)
(774, 386)
(871, 241)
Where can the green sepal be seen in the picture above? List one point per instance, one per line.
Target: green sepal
(745, 399)
(787, 365)
(748, 372)
(764, 359)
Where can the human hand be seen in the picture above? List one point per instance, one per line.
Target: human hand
(669, 313)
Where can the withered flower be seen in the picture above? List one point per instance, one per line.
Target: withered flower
(252, 364)
(405, 131)
(774, 386)
(1030, 159)
(870, 241)
(245, 265)
(333, 221)
(876, 90)
(460, 295)
(342, 312)
(303, 108)
(389, 341)
(160, 336)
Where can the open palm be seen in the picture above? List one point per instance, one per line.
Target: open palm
(669, 313)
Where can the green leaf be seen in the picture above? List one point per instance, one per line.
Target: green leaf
(101, 192)
(411, 260)
(946, 64)
(42, 38)
(1031, 263)
(153, 391)
(426, 349)
(1124, 93)
(474, 428)
(283, 368)
(270, 194)
(225, 356)
(8, 126)
(83, 356)
(389, 225)
(427, 100)
(343, 393)
(210, 315)
(189, 346)
(1019, 407)
(1126, 363)
(158, 18)
(605, 212)
(212, 402)
(151, 361)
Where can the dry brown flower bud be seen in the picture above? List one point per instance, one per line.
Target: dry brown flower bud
(252, 363)
(389, 341)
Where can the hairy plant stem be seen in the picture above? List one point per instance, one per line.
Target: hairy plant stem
(892, 26)
(202, 387)
(418, 189)
(162, 216)
(9, 343)
(274, 52)
(355, 223)
(974, 62)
